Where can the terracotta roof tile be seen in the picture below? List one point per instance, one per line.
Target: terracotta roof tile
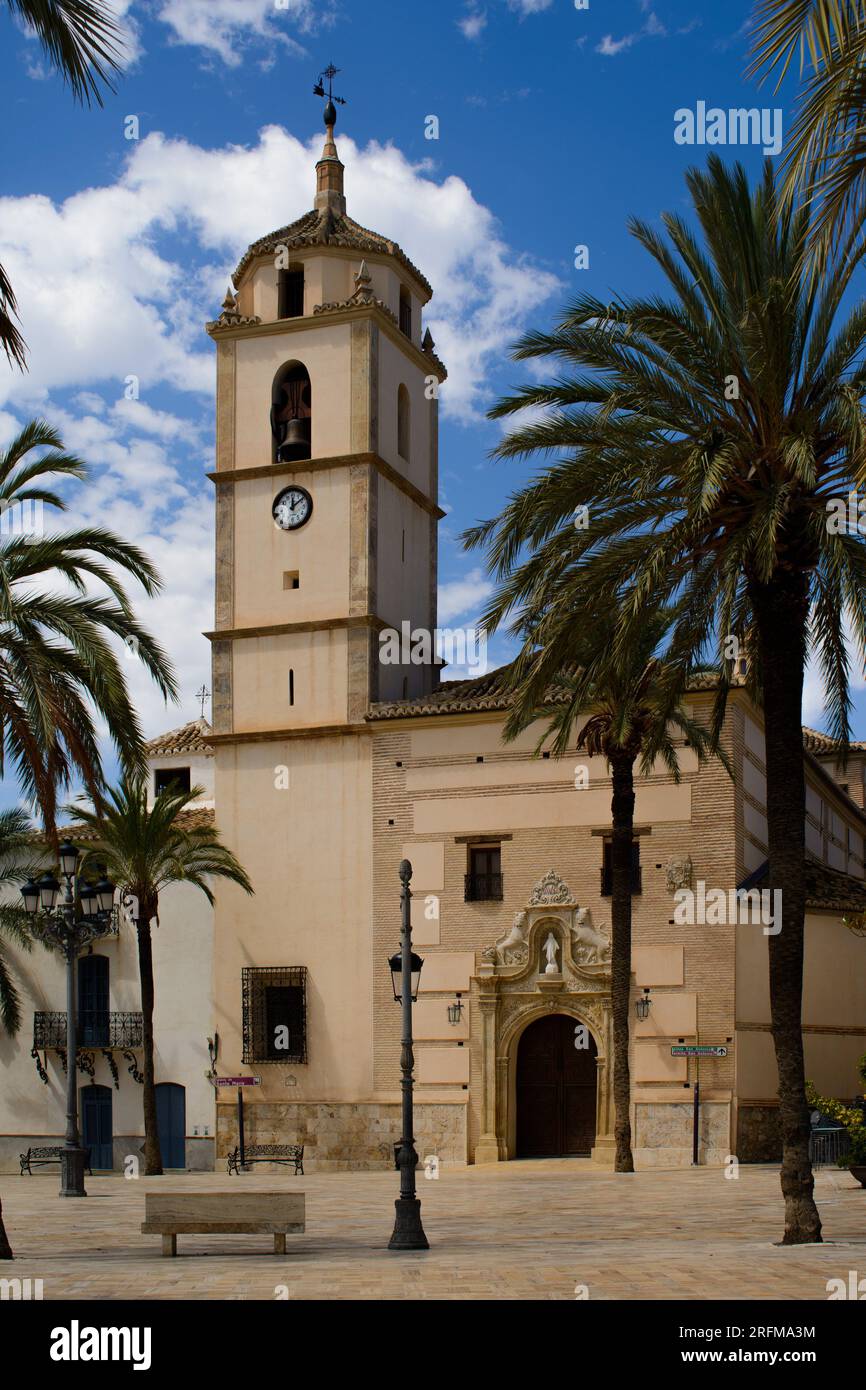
(327, 228)
(189, 738)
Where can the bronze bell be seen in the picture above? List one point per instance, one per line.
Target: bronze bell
(296, 442)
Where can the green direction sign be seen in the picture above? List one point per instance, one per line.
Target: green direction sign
(699, 1052)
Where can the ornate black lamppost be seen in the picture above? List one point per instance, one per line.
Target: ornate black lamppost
(70, 926)
(405, 975)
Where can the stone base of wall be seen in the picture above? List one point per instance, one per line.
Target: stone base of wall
(663, 1134)
(199, 1152)
(759, 1138)
(343, 1136)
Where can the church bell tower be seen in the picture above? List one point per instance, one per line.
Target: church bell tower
(326, 471)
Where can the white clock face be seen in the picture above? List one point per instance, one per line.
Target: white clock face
(292, 507)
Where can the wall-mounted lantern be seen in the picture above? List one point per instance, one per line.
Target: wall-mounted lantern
(455, 1011)
(642, 1006)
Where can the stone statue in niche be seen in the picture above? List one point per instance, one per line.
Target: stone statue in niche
(551, 946)
(590, 944)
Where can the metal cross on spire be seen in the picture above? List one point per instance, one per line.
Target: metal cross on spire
(202, 695)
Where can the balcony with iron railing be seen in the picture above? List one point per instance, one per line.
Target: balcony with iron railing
(95, 1029)
(481, 888)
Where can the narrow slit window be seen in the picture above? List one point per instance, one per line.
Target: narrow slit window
(291, 687)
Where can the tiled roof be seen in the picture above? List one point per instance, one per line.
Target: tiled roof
(480, 693)
(826, 888)
(823, 744)
(327, 228)
(189, 738)
(85, 834)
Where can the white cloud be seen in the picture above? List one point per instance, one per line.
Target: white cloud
(226, 27)
(525, 7)
(651, 29)
(473, 25)
(463, 598)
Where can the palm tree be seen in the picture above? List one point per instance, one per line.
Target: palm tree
(58, 670)
(624, 712)
(144, 849)
(826, 150)
(80, 38)
(17, 863)
(16, 844)
(700, 438)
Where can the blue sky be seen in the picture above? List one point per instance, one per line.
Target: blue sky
(555, 124)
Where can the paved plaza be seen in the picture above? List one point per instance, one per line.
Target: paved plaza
(524, 1230)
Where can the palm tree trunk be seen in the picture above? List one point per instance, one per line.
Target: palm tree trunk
(152, 1155)
(622, 823)
(5, 1247)
(781, 614)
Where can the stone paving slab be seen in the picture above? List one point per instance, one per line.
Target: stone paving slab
(523, 1230)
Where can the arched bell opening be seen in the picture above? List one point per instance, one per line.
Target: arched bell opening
(291, 414)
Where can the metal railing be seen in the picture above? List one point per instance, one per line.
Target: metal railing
(480, 888)
(95, 1029)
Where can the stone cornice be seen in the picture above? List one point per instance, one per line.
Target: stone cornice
(428, 362)
(277, 735)
(234, 634)
(278, 470)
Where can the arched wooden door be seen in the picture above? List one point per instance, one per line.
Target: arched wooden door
(96, 1132)
(556, 1089)
(171, 1120)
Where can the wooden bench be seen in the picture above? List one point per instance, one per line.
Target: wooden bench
(268, 1153)
(171, 1214)
(42, 1155)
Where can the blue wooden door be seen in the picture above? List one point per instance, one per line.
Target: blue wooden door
(96, 1125)
(171, 1118)
(93, 1022)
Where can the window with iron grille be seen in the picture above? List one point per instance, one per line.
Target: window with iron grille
(275, 1014)
(483, 883)
(290, 294)
(405, 313)
(607, 869)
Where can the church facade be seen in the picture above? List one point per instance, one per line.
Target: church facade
(332, 765)
(326, 765)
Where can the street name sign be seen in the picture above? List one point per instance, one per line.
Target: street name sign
(699, 1052)
(238, 1081)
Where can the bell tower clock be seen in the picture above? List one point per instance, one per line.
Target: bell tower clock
(326, 472)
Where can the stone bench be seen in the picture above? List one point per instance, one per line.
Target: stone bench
(171, 1214)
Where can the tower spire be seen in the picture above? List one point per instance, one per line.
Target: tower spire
(330, 196)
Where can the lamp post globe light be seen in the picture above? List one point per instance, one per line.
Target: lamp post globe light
(405, 969)
(69, 925)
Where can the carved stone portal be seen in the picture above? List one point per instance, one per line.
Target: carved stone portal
(552, 958)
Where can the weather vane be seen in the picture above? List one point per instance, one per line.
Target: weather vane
(203, 694)
(330, 72)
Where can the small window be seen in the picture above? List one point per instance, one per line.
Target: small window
(406, 313)
(404, 422)
(607, 868)
(291, 687)
(177, 778)
(291, 579)
(290, 294)
(483, 882)
(274, 1014)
